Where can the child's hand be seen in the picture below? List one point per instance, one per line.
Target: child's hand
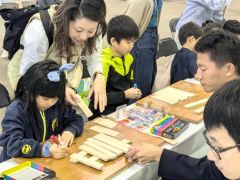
(133, 93)
(57, 151)
(67, 138)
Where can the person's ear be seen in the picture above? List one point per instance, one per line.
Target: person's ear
(113, 41)
(229, 69)
(192, 40)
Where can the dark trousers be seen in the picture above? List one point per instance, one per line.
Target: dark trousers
(144, 65)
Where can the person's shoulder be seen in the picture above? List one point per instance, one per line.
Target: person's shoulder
(180, 53)
(186, 51)
(107, 55)
(17, 105)
(128, 57)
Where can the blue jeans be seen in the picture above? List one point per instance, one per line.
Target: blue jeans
(144, 65)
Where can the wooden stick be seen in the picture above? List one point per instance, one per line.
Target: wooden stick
(106, 146)
(87, 161)
(94, 152)
(113, 142)
(105, 122)
(84, 107)
(104, 130)
(196, 103)
(101, 149)
(199, 110)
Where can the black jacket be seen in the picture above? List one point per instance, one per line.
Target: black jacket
(174, 166)
(22, 134)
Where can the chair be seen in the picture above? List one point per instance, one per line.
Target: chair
(4, 97)
(167, 47)
(172, 25)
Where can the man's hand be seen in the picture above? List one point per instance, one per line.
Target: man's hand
(144, 153)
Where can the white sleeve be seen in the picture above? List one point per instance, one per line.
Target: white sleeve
(216, 5)
(35, 44)
(94, 61)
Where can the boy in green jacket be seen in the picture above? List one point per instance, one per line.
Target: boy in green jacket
(117, 62)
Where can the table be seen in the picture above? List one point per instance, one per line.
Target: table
(188, 143)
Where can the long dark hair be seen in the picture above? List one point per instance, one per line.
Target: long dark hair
(35, 82)
(70, 10)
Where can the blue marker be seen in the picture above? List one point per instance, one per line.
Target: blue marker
(135, 85)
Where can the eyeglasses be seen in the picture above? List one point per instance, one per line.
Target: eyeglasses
(217, 150)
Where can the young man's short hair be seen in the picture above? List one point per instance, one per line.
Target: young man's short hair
(222, 109)
(188, 30)
(223, 47)
(122, 27)
(232, 26)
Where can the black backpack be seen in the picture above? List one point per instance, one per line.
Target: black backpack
(17, 19)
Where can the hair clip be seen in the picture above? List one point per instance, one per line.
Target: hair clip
(54, 76)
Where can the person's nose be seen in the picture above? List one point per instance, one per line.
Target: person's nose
(198, 75)
(83, 36)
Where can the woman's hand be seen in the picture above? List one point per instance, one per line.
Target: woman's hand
(99, 89)
(71, 96)
(67, 138)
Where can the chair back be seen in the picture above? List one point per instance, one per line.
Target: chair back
(167, 47)
(4, 97)
(172, 24)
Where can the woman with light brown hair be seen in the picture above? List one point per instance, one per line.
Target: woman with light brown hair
(78, 25)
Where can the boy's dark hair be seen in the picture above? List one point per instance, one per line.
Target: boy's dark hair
(222, 46)
(208, 21)
(232, 26)
(222, 109)
(122, 27)
(211, 27)
(35, 82)
(188, 30)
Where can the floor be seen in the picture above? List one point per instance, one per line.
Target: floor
(171, 9)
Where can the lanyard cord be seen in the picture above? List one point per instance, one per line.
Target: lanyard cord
(44, 124)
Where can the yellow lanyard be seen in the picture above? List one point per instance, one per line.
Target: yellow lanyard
(44, 124)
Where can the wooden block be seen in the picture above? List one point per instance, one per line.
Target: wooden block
(199, 110)
(101, 149)
(172, 95)
(82, 153)
(105, 122)
(196, 103)
(94, 152)
(104, 130)
(106, 146)
(165, 99)
(113, 142)
(84, 107)
(87, 161)
(93, 158)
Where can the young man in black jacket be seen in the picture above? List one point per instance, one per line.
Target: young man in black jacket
(222, 122)
(218, 63)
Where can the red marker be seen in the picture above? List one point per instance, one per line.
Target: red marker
(54, 139)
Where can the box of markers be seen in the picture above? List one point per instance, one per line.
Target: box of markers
(169, 127)
(175, 129)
